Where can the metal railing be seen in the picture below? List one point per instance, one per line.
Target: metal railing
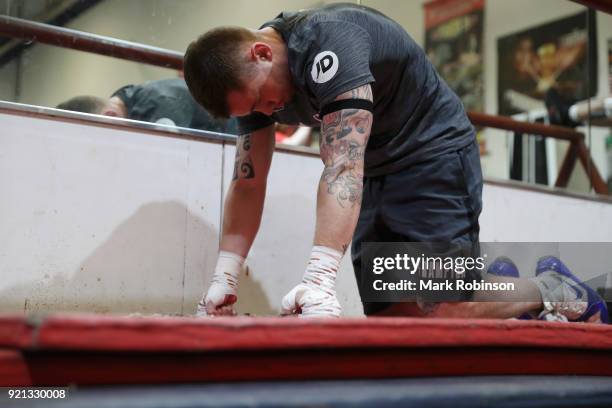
(108, 46)
(577, 149)
(82, 41)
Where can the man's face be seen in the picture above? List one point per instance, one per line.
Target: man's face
(267, 89)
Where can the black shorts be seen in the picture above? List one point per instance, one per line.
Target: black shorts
(438, 200)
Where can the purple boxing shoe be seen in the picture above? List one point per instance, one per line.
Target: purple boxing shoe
(564, 295)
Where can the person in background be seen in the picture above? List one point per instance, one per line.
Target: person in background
(165, 101)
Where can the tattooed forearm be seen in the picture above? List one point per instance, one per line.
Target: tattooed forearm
(243, 164)
(346, 186)
(344, 138)
(342, 152)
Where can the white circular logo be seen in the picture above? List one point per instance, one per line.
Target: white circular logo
(324, 67)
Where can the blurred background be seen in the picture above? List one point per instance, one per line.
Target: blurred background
(501, 57)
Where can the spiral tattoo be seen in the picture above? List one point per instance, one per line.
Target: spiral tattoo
(243, 164)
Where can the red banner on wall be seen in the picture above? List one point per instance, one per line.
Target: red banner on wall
(454, 45)
(453, 42)
(440, 11)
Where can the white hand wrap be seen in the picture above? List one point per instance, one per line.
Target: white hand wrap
(315, 296)
(222, 292)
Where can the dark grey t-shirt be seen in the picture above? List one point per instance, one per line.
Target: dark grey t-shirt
(334, 49)
(170, 99)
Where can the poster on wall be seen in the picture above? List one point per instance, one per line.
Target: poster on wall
(548, 58)
(453, 42)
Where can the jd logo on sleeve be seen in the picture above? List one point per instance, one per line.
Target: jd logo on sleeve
(324, 67)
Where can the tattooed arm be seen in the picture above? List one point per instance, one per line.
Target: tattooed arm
(344, 136)
(245, 198)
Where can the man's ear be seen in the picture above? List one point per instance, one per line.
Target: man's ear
(261, 51)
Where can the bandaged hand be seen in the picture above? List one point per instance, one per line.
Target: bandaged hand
(222, 293)
(316, 296)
